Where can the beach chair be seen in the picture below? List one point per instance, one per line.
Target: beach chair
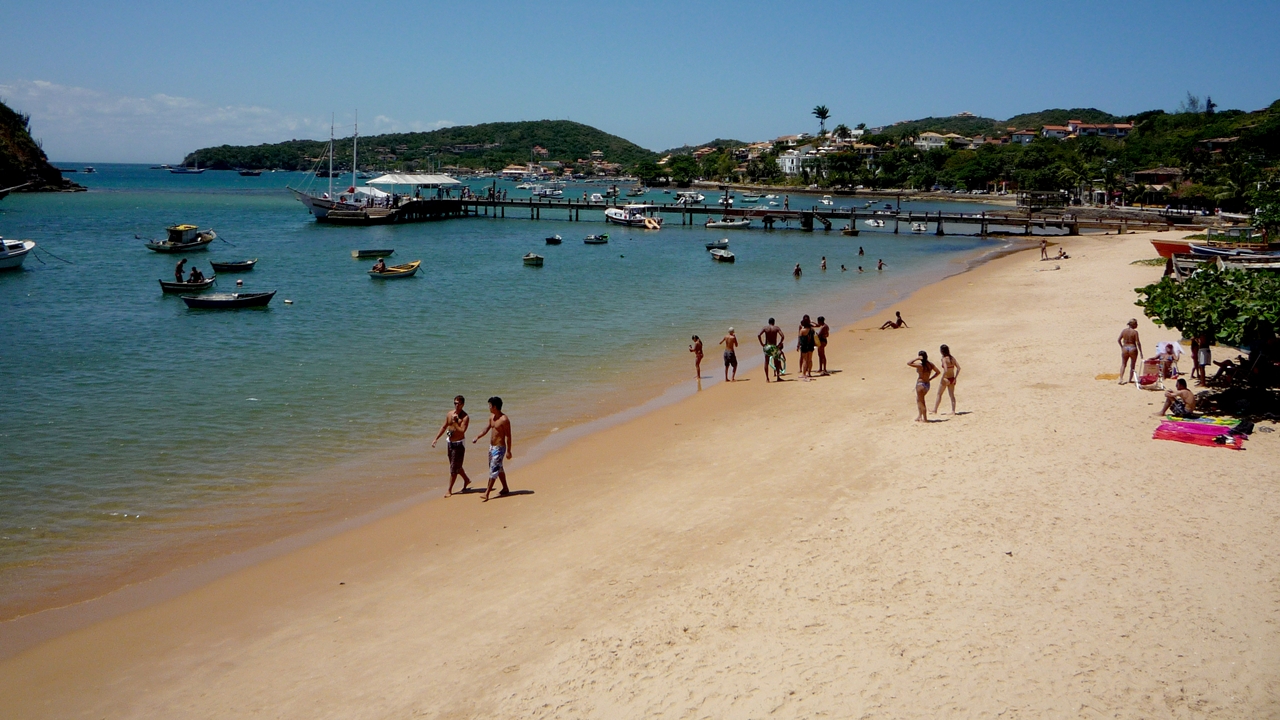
(1149, 376)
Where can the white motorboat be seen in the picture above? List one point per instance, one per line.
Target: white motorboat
(596, 197)
(751, 198)
(919, 227)
(718, 244)
(632, 215)
(89, 169)
(770, 197)
(826, 200)
(13, 252)
(728, 224)
(875, 222)
(689, 198)
(548, 192)
(722, 256)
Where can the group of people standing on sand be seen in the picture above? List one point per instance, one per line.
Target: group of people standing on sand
(455, 425)
(811, 337)
(1179, 402)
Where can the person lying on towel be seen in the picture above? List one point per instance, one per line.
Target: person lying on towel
(1180, 402)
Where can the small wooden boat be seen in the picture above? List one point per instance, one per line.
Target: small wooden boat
(183, 238)
(876, 223)
(396, 272)
(228, 301)
(727, 224)
(719, 245)
(13, 252)
(533, 260)
(362, 254)
(234, 266)
(751, 197)
(170, 286)
(722, 256)
(596, 239)
(849, 230)
(250, 173)
(555, 240)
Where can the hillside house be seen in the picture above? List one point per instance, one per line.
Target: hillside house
(1057, 132)
(1111, 130)
(790, 162)
(927, 141)
(1023, 137)
(1158, 177)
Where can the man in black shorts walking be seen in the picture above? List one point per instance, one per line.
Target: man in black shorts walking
(456, 424)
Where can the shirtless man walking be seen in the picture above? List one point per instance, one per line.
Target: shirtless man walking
(456, 424)
(730, 343)
(1130, 350)
(771, 339)
(499, 445)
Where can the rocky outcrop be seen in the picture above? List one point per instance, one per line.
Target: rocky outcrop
(22, 160)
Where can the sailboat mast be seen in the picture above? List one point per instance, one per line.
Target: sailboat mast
(355, 142)
(331, 157)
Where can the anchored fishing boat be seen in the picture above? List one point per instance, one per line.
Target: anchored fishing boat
(228, 301)
(632, 215)
(362, 254)
(396, 272)
(533, 260)
(170, 286)
(13, 252)
(183, 238)
(719, 245)
(234, 266)
(596, 239)
(722, 256)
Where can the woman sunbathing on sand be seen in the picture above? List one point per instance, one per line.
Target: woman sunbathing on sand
(927, 372)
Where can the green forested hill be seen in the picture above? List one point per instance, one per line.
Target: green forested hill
(490, 146)
(970, 126)
(21, 158)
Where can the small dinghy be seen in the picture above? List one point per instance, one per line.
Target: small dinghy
(362, 254)
(876, 223)
(722, 256)
(395, 272)
(555, 240)
(596, 239)
(170, 286)
(533, 260)
(727, 224)
(849, 230)
(234, 266)
(719, 245)
(228, 301)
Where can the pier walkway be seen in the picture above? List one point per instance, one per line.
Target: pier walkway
(817, 217)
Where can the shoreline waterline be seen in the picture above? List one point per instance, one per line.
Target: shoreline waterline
(168, 576)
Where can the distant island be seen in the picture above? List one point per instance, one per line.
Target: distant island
(23, 164)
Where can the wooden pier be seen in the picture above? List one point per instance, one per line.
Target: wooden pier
(820, 217)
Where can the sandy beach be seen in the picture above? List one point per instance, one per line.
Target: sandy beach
(793, 550)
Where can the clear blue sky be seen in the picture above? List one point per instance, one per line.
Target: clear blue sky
(148, 82)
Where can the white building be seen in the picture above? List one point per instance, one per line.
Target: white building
(930, 141)
(791, 161)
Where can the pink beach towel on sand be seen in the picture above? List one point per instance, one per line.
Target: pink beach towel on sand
(1170, 431)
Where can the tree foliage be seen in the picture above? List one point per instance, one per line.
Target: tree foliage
(1233, 307)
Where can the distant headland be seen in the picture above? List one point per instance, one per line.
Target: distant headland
(23, 164)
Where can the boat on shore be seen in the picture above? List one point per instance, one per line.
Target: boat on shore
(183, 238)
(555, 240)
(728, 224)
(14, 252)
(596, 239)
(395, 272)
(718, 244)
(170, 286)
(533, 260)
(723, 256)
(234, 266)
(1234, 241)
(632, 215)
(362, 254)
(228, 301)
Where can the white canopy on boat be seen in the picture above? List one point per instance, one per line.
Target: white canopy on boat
(427, 180)
(371, 191)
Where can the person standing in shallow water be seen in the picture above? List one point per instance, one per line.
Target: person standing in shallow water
(499, 446)
(696, 349)
(456, 423)
(797, 272)
(950, 373)
(926, 372)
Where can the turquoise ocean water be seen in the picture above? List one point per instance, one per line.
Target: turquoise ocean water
(135, 432)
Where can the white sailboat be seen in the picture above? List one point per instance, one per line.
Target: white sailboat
(320, 205)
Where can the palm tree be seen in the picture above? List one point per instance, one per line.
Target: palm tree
(822, 113)
(842, 132)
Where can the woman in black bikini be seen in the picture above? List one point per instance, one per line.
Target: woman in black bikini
(806, 342)
(950, 373)
(926, 371)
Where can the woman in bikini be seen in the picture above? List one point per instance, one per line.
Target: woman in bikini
(926, 371)
(806, 342)
(950, 373)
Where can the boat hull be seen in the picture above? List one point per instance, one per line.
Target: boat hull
(723, 256)
(728, 224)
(362, 254)
(319, 207)
(533, 260)
(397, 272)
(1167, 248)
(228, 301)
(12, 259)
(165, 247)
(245, 266)
(170, 286)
